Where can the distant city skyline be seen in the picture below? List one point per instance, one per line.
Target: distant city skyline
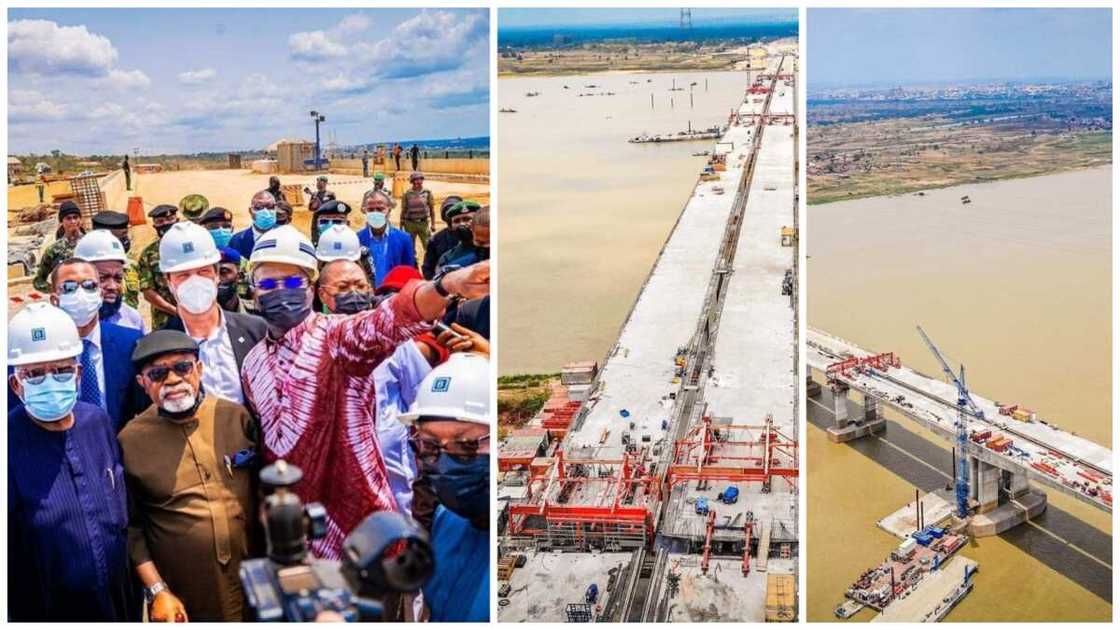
(102, 81)
(514, 18)
(880, 47)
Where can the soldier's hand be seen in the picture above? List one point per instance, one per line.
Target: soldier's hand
(468, 341)
(469, 282)
(167, 608)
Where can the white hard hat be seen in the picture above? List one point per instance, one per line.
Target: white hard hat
(100, 245)
(187, 245)
(42, 332)
(338, 242)
(458, 388)
(284, 244)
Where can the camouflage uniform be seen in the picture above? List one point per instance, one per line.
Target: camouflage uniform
(417, 210)
(132, 284)
(152, 278)
(57, 252)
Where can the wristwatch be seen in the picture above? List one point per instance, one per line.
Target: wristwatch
(437, 282)
(153, 590)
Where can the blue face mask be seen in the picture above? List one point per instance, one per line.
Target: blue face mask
(51, 400)
(264, 219)
(221, 236)
(463, 488)
(376, 220)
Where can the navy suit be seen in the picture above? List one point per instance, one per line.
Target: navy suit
(243, 242)
(124, 397)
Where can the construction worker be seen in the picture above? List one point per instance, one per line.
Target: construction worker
(67, 503)
(321, 194)
(386, 246)
(324, 423)
(452, 421)
(262, 209)
(442, 241)
(127, 173)
(66, 238)
(152, 282)
(193, 207)
(191, 263)
(340, 242)
(378, 185)
(474, 240)
(117, 224)
(107, 376)
(190, 464)
(275, 190)
(328, 213)
(106, 253)
(418, 214)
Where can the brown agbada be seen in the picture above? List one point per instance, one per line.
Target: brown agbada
(192, 515)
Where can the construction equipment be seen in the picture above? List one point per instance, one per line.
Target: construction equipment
(702, 505)
(729, 495)
(965, 404)
(708, 543)
(592, 594)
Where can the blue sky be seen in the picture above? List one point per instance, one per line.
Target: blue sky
(912, 46)
(530, 18)
(191, 80)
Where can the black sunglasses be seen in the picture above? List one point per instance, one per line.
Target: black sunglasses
(428, 450)
(159, 374)
(69, 286)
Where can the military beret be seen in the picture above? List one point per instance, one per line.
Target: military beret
(109, 220)
(216, 213)
(333, 207)
(67, 208)
(230, 255)
(322, 178)
(378, 176)
(161, 342)
(163, 210)
(462, 207)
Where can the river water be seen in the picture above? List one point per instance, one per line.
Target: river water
(584, 213)
(1017, 286)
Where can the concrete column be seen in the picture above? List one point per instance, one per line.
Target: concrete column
(870, 408)
(987, 491)
(973, 475)
(1019, 484)
(840, 404)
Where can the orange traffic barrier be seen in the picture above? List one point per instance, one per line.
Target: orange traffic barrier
(136, 211)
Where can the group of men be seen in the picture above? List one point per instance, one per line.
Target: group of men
(133, 456)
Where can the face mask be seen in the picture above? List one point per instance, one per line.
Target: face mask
(264, 219)
(463, 488)
(50, 401)
(109, 309)
(352, 302)
(197, 294)
(323, 227)
(376, 220)
(227, 291)
(126, 243)
(162, 229)
(483, 252)
(221, 236)
(464, 235)
(81, 305)
(284, 309)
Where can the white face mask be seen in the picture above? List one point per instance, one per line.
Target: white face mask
(376, 220)
(81, 305)
(197, 294)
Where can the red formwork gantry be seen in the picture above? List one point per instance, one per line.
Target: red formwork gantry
(881, 362)
(558, 411)
(707, 453)
(589, 496)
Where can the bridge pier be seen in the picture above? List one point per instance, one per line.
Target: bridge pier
(1003, 498)
(846, 428)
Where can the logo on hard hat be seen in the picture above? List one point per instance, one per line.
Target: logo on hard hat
(115, 245)
(441, 384)
(38, 334)
(188, 248)
(338, 245)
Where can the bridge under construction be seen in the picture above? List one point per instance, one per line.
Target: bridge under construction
(663, 486)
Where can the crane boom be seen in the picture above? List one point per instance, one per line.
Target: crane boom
(962, 391)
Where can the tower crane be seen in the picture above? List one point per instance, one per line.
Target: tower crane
(965, 404)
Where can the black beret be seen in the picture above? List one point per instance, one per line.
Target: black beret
(109, 220)
(216, 213)
(67, 208)
(163, 210)
(159, 343)
(333, 207)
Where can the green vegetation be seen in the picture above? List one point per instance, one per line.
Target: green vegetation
(519, 381)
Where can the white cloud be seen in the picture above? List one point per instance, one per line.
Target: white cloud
(257, 85)
(354, 23)
(315, 46)
(197, 77)
(44, 47)
(124, 79)
(32, 106)
(433, 41)
(343, 83)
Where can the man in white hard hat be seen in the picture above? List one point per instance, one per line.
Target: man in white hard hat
(452, 421)
(324, 421)
(341, 242)
(67, 503)
(190, 260)
(108, 379)
(107, 255)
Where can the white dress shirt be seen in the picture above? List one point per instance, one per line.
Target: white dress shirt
(396, 380)
(220, 376)
(128, 317)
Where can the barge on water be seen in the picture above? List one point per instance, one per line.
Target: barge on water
(711, 133)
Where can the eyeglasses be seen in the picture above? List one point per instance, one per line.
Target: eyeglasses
(288, 282)
(69, 286)
(428, 450)
(35, 376)
(159, 374)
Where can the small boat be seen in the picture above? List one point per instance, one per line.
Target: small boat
(507, 110)
(532, 94)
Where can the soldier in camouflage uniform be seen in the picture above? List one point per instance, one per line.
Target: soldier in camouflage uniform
(152, 281)
(418, 211)
(69, 231)
(117, 223)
